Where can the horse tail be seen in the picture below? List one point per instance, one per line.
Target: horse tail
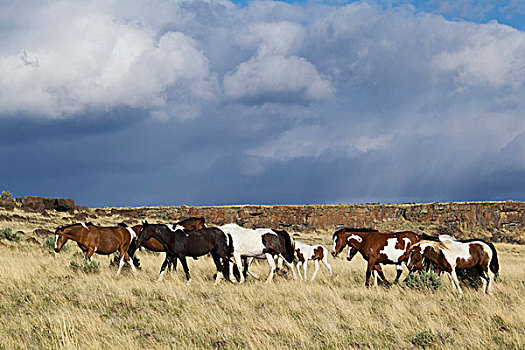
(494, 262)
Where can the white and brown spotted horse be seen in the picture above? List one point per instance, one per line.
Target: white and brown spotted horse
(97, 239)
(376, 248)
(316, 253)
(259, 243)
(449, 255)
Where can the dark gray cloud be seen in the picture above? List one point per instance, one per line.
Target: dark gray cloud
(209, 103)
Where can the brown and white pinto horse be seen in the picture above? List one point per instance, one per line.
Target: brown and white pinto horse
(376, 248)
(447, 254)
(192, 223)
(316, 253)
(97, 239)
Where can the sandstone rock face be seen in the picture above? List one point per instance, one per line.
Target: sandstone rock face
(7, 204)
(496, 221)
(30, 203)
(39, 204)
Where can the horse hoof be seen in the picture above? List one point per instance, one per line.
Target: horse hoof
(189, 282)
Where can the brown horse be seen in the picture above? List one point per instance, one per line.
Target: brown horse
(376, 248)
(97, 239)
(192, 223)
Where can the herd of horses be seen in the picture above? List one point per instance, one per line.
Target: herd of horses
(233, 248)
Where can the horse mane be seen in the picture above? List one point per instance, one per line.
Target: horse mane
(191, 218)
(360, 229)
(122, 224)
(426, 237)
(71, 225)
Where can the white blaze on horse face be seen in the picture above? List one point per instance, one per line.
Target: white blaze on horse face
(335, 243)
(132, 233)
(178, 227)
(56, 241)
(84, 224)
(390, 250)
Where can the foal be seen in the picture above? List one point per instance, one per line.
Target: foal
(181, 243)
(307, 252)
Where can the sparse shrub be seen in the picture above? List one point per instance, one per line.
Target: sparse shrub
(49, 245)
(163, 216)
(7, 233)
(79, 264)
(6, 195)
(423, 339)
(422, 281)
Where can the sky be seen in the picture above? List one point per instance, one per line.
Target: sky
(133, 103)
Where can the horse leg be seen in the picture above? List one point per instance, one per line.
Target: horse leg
(185, 267)
(325, 262)
(305, 268)
(131, 252)
(219, 266)
(399, 268)
(316, 264)
(291, 267)
(379, 271)
(271, 263)
(90, 252)
(246, 266)
(298, 266)
(248, 263)
(491, 279)
(279, 263)
(369, 269)
(237, 258)
(454, 277)
(163, 268)
(121, 263)
(130, 262)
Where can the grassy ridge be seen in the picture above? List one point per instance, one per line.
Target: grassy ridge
(45, 304)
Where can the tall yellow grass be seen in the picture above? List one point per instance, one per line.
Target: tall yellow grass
(44, 304)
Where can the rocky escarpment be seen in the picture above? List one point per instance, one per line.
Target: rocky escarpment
(495, 221)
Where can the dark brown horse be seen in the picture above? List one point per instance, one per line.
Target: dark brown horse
(97, 239)
(192, 223)
(181, 243)
(376, 248)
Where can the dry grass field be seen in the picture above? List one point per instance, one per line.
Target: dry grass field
(45, 304)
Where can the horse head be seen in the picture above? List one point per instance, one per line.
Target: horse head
(415, 258)
(60, 238)
(339, 242)
(288, 243)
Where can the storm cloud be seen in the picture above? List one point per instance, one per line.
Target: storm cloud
(208, 102)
